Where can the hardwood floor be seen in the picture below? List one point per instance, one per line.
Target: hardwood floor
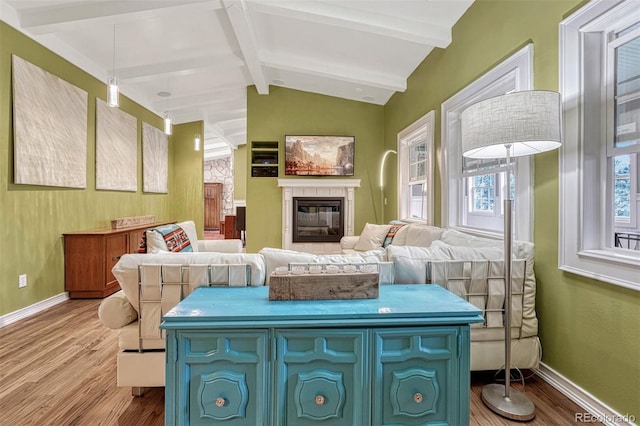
(59, 368)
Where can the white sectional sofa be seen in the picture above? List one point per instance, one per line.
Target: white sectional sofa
(466, 265)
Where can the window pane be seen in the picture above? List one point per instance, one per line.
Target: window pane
(622, 187)
(417, 205)
(627, 86)
(482, 193)
(418, 162)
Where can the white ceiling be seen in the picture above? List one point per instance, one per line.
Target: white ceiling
(206, 52)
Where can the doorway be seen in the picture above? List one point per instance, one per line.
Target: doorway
(212, 205)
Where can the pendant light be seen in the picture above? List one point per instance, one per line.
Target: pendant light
(196, 142)
(112, 83)
(167, 123)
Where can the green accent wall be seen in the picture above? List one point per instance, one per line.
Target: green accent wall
(590, 330)
(289, 112)
(240, 173)
(187, 182)
(35, 217)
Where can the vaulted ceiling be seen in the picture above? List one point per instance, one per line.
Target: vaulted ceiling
(195, 58)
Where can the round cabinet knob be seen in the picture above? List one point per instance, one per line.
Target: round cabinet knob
(221, 402)
(417, 397)
(319, 400)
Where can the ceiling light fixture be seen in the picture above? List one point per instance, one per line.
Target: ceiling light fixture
(112, 83)
(168, 127)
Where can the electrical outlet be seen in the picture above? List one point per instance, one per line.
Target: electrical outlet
(22, 280)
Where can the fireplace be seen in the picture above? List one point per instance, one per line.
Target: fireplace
(317, 220)
(325, 188)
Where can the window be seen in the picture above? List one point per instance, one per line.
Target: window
(600, 85)
(472, 189)
(415, 147)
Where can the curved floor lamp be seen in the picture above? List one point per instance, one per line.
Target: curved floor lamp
(382, 161)
(511, 125)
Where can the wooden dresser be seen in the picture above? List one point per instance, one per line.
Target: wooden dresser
(90, 255)
(236, 358)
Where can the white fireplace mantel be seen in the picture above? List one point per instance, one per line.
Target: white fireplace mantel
(319, 183)
(320, 188)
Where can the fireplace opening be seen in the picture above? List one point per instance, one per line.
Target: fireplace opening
(317, 220)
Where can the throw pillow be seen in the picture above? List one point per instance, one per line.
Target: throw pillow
(171, 238)
(391, 233)
(372, 237)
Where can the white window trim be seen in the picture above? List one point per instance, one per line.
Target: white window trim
(513, 74)
(608, 265)
(428, 121)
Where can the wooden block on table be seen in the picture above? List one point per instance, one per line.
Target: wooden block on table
(128, 222)
(324, 286)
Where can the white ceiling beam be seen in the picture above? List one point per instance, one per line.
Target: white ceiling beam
(332, 13)
(225, 115)
(74, 16)
(183, 65)
(243, 29)
(216, 132)
(232, 95)
(361, 76)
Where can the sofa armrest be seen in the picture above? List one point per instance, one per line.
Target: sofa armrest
(220, 246)
(348, 242)
(115, 311)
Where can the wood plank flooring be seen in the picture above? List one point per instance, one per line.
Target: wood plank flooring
(59, 368)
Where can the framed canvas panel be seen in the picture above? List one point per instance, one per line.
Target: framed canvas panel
(155, 159)
(319, 155)
(116, 149)
(50, 128)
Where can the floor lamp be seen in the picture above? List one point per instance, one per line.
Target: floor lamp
(512, 125)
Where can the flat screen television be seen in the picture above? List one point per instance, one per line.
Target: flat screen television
(319, 155)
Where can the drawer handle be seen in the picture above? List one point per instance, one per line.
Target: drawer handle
(221, 402)
(115, 258)
(417, 397)
(319, 400)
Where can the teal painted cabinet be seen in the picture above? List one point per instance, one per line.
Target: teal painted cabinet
(236, 358)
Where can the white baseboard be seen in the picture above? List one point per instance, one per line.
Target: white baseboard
(595, 409)
(23, 313)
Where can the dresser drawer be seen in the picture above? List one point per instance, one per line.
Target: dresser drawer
(414, 368)
(226, 376)
(322, 377)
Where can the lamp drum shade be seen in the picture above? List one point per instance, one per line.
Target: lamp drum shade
(528, 121)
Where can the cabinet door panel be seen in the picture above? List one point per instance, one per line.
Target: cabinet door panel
(115, 247)
(321, 378)
(227, 376)
(413, 373)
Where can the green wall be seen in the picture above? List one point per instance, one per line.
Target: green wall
(285, 111)
(34, 218)
(590, 330)
(187, 183)
(240, 173)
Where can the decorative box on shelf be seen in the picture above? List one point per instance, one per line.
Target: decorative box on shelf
(317, 283)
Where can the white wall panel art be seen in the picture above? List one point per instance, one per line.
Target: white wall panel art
(49, 127)
(155, 159)
(116, 149)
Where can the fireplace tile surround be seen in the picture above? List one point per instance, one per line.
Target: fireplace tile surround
(318, 188)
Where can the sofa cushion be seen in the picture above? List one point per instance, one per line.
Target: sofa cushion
(126, 270)
(115, 311)
(274, 257)
(421, 235)
(410, 263)
(372, 237)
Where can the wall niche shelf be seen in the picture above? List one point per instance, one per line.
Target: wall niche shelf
(264, 159)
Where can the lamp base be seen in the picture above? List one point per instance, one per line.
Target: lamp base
(516, 407)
